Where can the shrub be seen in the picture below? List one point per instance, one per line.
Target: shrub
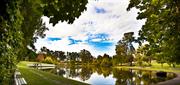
(48, 60)
(40, 57)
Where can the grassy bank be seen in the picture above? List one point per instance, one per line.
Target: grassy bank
(155, 67)
(37, 77)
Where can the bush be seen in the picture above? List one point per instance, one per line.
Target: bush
(106, 62)
(48, 60)
(40, 57)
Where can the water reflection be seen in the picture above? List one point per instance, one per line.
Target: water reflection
(110, 76)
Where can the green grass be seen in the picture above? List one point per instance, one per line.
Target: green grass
(37, 77)
(156, 67)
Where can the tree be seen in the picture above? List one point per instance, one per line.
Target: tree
(125, 49)
(128, 39)
(73, 56)
(60, 54)
(10, 38)
(99, 60)
(106, 61)
(160, 57)
(147, 52)
(32, 26)
(121, 56)
(44, 49)
(99, 57)
(31, 55)
(115, 60)
(162, 26)
(63, 10)
(143, 54)
(139, 58)
(85, 56)
(40, 57)
(14, 17)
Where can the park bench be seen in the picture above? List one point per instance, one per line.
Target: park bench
(19, 80)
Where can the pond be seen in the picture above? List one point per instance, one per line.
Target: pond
(110, 76)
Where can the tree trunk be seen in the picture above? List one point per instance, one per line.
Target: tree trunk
(174, 65)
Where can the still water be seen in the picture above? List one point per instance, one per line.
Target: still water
(110, 76)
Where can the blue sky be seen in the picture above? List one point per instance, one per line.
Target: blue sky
(99, 41)
(97, 29)
(100, 10)
(53, 39)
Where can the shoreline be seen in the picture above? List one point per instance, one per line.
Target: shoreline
(173, 81)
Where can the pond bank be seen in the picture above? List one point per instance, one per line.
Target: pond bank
(174, 81)
(37, 77)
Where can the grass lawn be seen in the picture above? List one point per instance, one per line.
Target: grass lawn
(155, 66)
(37, 77)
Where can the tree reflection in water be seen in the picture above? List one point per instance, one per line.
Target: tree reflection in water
(122, 76)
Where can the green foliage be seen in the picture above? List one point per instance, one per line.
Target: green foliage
(32, 55)
(139, 59)
(124, 49)
(32, 26)
(55, 54)
(95, 62)
(63, 10)
(10, 38)
(21, 24)
(121, 55)
(48, 60)
(99, 59)
(162, 28)
(106, 61)
(143, 54)
(85, 56)
(73, 57)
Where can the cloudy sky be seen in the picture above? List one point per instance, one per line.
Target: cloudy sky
(97, 29)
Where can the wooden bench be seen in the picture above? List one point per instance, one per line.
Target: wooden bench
(19, 80)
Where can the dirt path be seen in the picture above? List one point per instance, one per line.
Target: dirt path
(174, 81)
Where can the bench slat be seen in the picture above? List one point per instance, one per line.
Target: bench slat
(24, 82)
(18, 79)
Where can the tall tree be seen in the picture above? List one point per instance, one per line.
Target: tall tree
(162, 28)
(15, 16)
(10, 38)
(61, 55)
(73, 57)
(121, 56)
(125, 49)
(32, 26)
(85, 56)
(128, 39)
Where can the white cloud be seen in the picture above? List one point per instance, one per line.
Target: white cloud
(96, 40)
(114, 21)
